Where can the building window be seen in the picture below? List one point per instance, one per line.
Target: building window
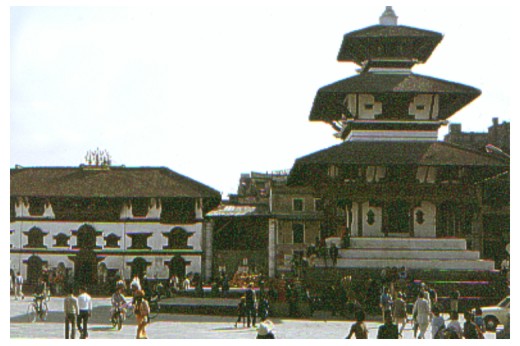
(61, 240)
(298, 204)
(371, 217)
(298, 233)
(36, 206)
(35, 238)
(140, 241)
(449, 174)
(369, 106)
(178, 239)
(419, 216)
(112, 240)
(333, 171)
(318, 204)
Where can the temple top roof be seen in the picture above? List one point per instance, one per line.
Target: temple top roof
(388, 41)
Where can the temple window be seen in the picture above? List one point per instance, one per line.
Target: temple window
(298, 230)
(61, 240)
(298, 204)
(449, 174)
(177, 238)
(112, 241)
(36, 206)
(140, 241)
(35, 238)
(419, 217)
(371, 217)
(318, 204)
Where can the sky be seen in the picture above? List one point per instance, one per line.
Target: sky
(212, 91)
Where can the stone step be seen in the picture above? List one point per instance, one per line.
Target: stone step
(402, 243)
(409, 254)
(410, 263)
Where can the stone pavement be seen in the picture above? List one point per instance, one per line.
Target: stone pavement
(177, 326)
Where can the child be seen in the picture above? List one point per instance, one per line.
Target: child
(241, 311)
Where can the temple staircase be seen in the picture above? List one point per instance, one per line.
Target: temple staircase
(412, 253)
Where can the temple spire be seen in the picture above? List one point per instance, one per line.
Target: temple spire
(388, 17)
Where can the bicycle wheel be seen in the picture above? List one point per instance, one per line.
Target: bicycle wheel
(44, 312)
(154, 309)
(31, 313)
(119, 321)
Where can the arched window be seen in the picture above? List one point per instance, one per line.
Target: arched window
(34, 269)
(112, 240)
(139, 266)
(86, 237)
(35, 238)
(177, 266)
(178, 239)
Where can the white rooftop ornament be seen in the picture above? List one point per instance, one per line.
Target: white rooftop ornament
(388, 17)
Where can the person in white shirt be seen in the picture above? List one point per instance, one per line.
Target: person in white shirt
(186, 284)
(85, 311)
(18, 284)
(454, 326)
(71, 310)
(423, 312)
(136, 283)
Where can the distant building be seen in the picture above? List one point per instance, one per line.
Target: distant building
(497, 135)
(95, 222)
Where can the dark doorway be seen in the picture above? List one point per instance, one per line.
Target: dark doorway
(139, 266)
(34, 269)
(177, 267)
(396, 217)
(85, 268)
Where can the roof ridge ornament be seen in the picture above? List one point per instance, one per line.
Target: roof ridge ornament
(388, 17)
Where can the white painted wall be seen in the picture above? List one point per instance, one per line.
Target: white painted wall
(368, 114)
(156, 241)
(428, 228)
(373, 230)
(424, 101)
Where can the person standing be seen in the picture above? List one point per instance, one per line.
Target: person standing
(241, 312)
(385, 302)
(250, 305)
(334, 252)
(454, 301)
(18, 286)
(71, 310)
(359, 329)
(471, 330)
(423, 312)
(438, 325)
(142, 314)
(454, 330)
(389, 329)
(85, 312)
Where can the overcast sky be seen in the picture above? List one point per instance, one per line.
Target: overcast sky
(214, 91)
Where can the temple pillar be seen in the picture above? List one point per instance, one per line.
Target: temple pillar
(208, 248)
(271, 248)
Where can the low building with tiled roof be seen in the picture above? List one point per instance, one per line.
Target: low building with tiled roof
(91, 224)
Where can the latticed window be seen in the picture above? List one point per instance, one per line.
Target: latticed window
(178, 239)
(112, 240)
(140, 241)
(298, 204)
(35, 238)
(61, 240)
(298, 233)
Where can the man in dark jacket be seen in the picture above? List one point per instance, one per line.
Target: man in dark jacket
(250, 305)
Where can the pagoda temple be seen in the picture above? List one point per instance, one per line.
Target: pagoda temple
(391, 193)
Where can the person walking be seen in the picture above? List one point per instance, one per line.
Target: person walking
(71, 310)
(359, 329)
(18, 286)
(388, 330)
(241, 312)
(438, 325)
(400, 312)
(142, 314)
(423, 311)
(85, 312)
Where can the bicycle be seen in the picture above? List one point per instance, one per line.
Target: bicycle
(37, 308)
(154, 305)
(118, 317)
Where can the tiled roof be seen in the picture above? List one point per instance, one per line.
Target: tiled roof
(112, 182)
(399, 153)
(453, 96)
(393, 31)
(395, 153)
